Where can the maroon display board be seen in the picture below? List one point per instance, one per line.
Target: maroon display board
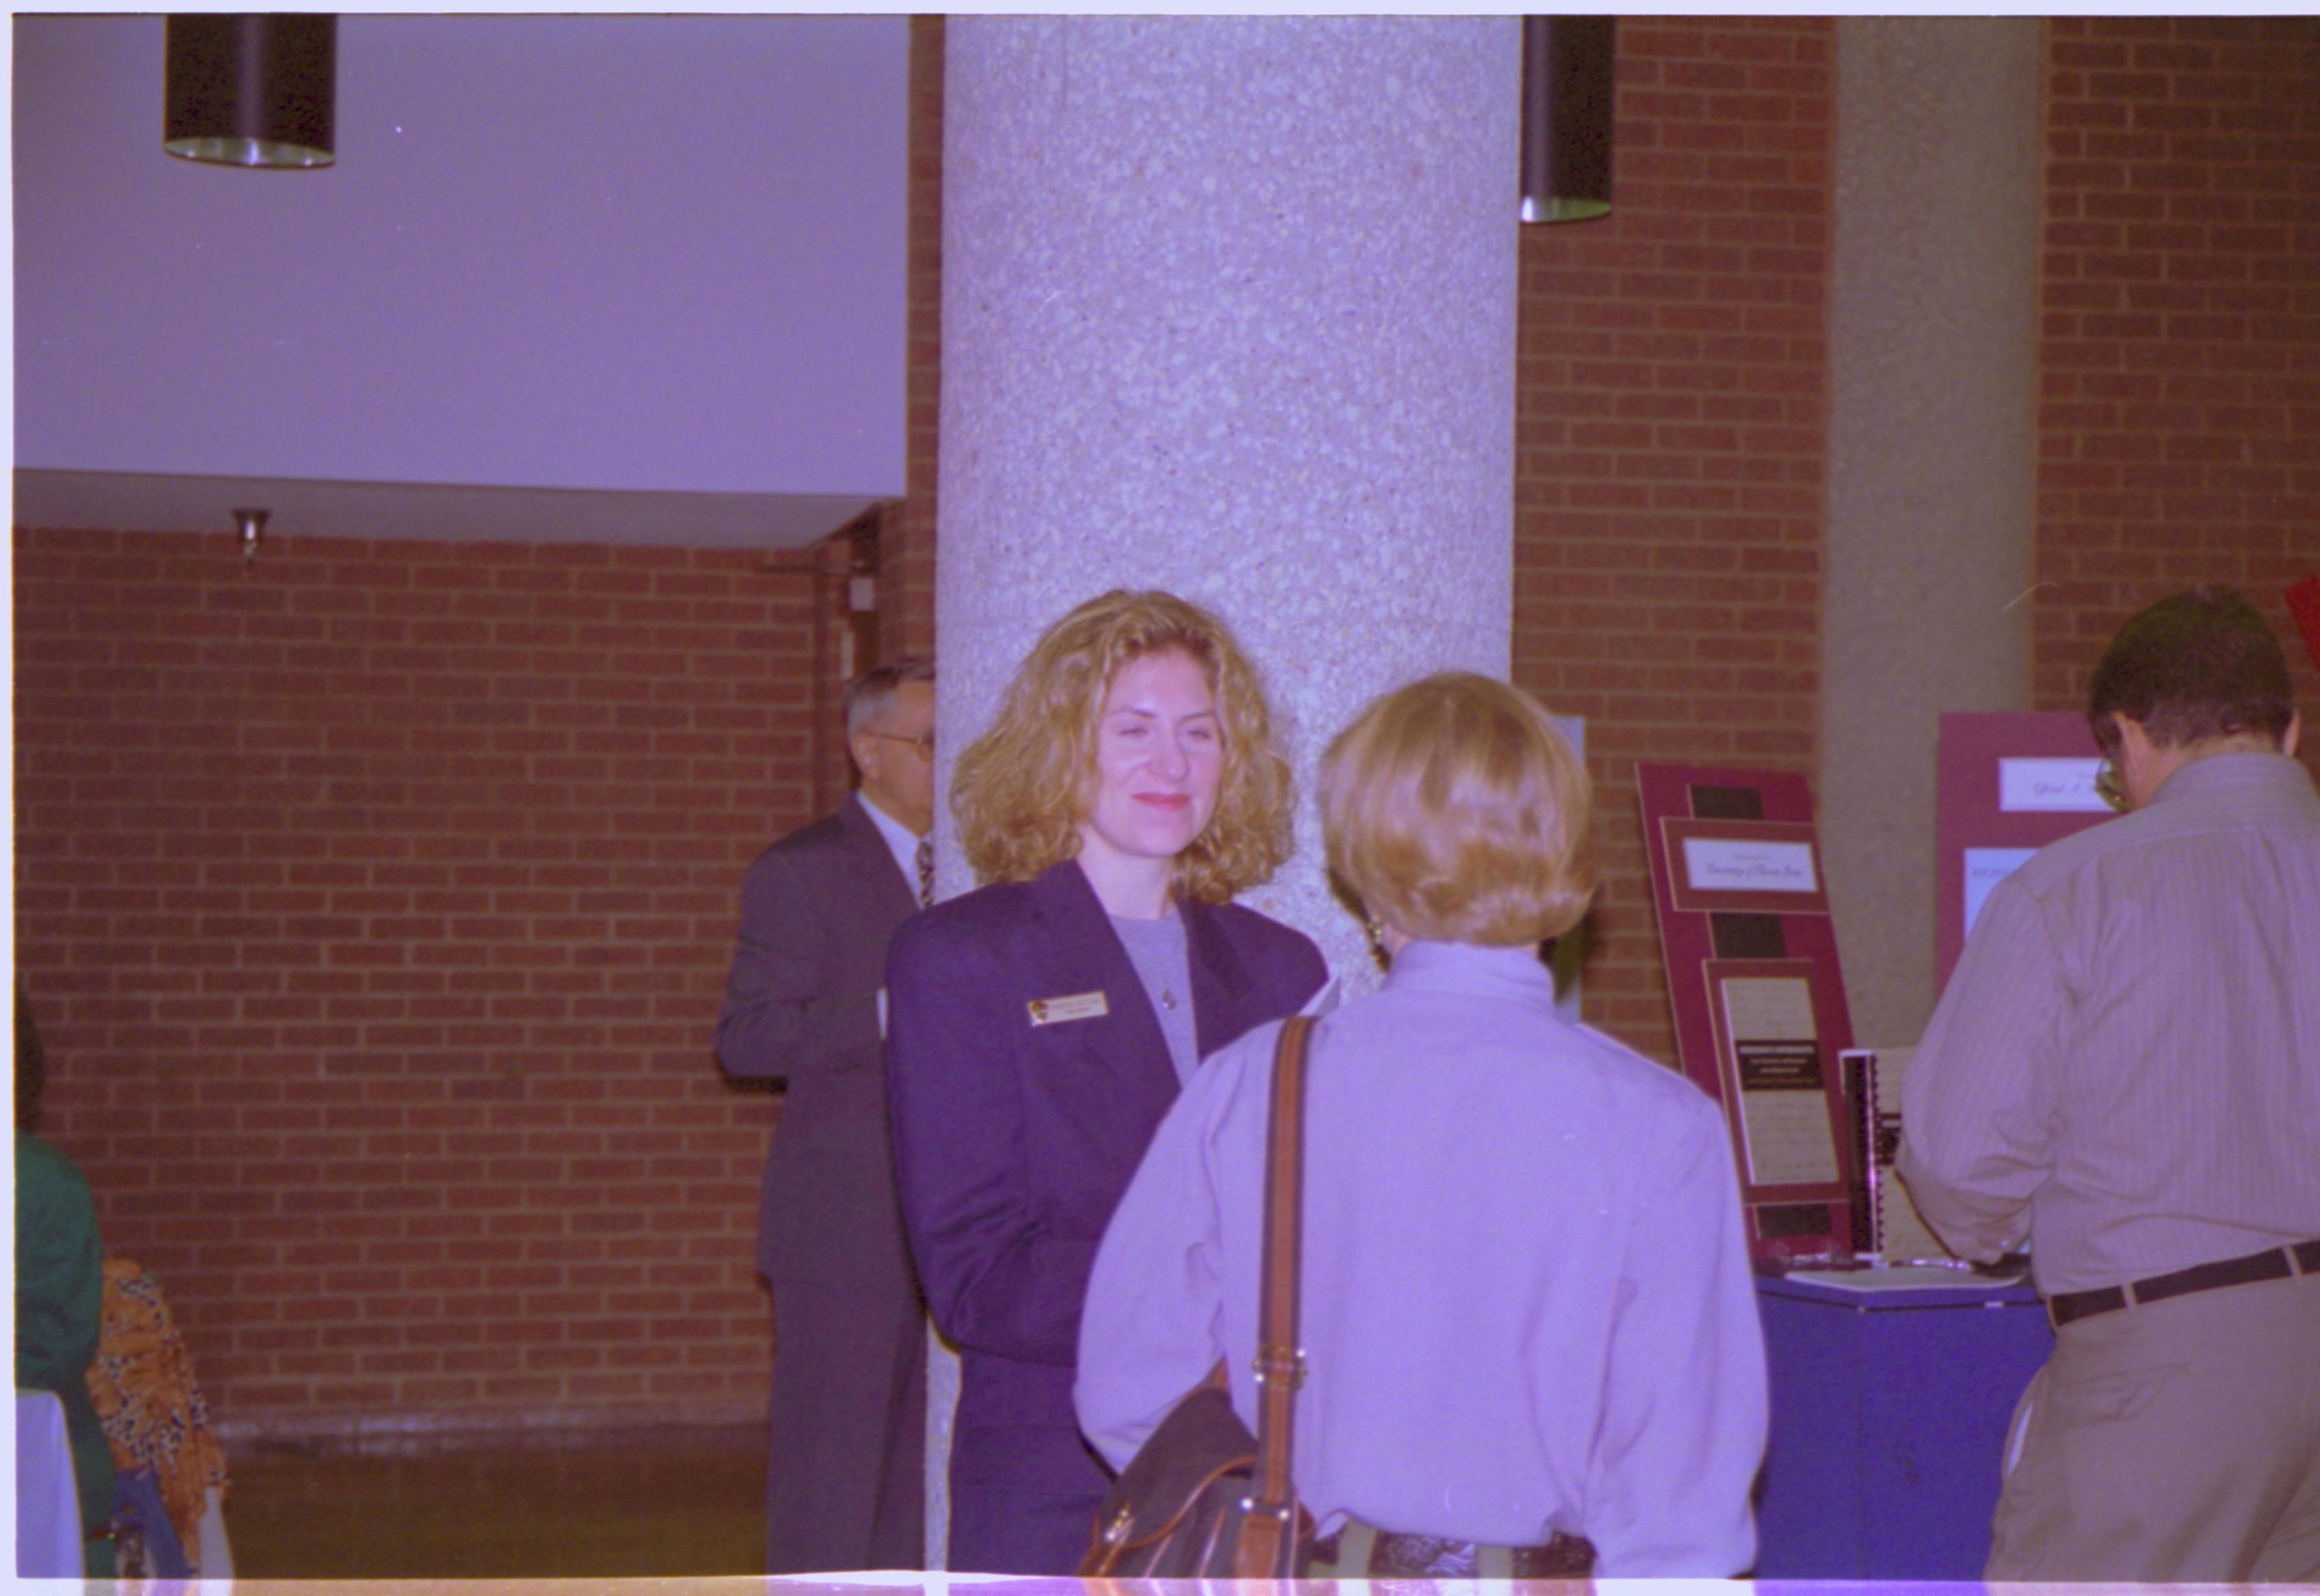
(2303, 603)
(1758, 996)
(2006, 785)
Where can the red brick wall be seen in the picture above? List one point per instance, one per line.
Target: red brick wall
(907, 603)
(1671, 444)
(2178, 427)
(375, 901)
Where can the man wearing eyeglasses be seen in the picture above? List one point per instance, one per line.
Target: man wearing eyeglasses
(2126, 1070)
(805, 1005)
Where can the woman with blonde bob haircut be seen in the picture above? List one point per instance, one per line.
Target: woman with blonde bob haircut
(1529, 1340)
(1456, 810)
(1041, 1026)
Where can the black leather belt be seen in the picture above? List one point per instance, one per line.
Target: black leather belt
(2274, 1263)
(1389, 1555)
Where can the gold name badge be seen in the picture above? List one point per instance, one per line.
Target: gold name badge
(1080, 1005)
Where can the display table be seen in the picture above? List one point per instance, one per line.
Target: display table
(1891, 1390)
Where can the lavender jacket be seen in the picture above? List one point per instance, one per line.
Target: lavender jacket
(1013, 1141)
(1526, 1304)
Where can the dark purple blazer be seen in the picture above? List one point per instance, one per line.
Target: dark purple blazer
(1013, 1141)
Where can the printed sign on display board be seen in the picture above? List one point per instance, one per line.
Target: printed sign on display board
(1759, 1000)
(2006, 785)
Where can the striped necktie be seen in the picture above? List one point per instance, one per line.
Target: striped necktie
(926, 871)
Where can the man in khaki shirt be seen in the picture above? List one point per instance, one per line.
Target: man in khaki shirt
(2126, 1071)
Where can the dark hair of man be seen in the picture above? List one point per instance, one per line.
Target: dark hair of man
(31, 1066)
(870, 692)
(2192, 666)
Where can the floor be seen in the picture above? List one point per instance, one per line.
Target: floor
(657, 1503)
(669, 1505)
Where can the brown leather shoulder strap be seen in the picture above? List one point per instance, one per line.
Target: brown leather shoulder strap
(1279, 1360)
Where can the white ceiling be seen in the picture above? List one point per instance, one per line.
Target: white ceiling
(626, 278)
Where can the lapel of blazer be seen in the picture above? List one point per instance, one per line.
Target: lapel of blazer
(1220, 985)
(893, 897)
(1087, 957)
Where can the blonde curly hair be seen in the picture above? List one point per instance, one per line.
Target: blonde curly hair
(1022, 789)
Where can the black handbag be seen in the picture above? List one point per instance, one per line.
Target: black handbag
(1203, 1499)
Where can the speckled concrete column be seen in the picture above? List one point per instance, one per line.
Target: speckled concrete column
(1228, 309)
(1931, 336)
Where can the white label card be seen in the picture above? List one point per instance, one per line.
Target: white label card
(2034, 786)
(1062, 1011)
(1768, 1009)
(1729, 865)
(1788, 1139)
(1985, 867)
(1783, 1111)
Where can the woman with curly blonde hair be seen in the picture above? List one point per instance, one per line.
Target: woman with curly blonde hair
(1041, 1026)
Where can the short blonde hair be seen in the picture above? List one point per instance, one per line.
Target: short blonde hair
(1022, 789)
(1455, 810)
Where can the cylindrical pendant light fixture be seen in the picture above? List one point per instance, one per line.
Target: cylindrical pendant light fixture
(1566, 117)
(252, 91)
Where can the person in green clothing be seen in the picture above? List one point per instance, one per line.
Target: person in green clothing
(59, 1292)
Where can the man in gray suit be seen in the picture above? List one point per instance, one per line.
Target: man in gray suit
(844, 1483)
